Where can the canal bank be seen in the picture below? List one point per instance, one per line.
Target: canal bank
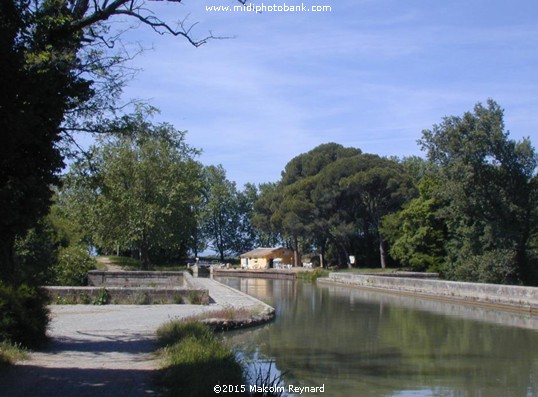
(275, 274)
(505, 297)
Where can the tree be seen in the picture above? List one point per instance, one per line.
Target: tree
(263, 210)
(248, 237)
(139, 190)
(489, 183)
(57, 75)
(221, 214)
(334, 197)
(381, 187)
(417, 233)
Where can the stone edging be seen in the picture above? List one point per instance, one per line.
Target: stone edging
(218, 324)
(506, 297)
(270, 274)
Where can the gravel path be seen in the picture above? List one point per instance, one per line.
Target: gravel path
(105, 351)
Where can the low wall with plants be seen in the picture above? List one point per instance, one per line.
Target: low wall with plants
(126, 295)
(99, 278)
(132, 288)
(502, 296)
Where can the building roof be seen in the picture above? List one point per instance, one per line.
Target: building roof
(263, 253)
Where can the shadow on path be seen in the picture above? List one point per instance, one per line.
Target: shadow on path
(37, 381)
(90, 366)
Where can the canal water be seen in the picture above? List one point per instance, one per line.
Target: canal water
(361, 343)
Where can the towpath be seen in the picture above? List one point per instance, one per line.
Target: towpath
(106, 350)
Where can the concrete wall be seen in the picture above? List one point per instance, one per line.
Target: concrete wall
(99, 278)
(503, 296)
(274, 274)
(127, 296)
(132, 288)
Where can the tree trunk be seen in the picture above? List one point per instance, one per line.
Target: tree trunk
(383, 252)
(143, 250)
(295, 251)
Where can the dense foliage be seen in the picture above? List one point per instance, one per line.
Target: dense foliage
(469, 211)
(62, 70)
(138, 190)
(23, 315)
(475, 218)
(331, 201)
(489, 185)
(72, 266)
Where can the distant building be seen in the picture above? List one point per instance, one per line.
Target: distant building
(267, 258)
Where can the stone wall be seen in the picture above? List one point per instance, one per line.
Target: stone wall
(99, 278)
(127, 296)
(132, 288)
(271, 274)
(502, 296)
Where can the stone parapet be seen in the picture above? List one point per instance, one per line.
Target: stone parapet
(99, 278)
(127, 295)
(271, 274)
(502, 296)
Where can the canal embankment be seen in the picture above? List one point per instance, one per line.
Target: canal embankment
(275, 274)
(506, 297)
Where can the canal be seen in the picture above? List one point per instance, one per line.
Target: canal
(362, 343)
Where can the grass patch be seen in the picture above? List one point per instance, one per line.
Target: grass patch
(124, 262)
(227, 313)
(10, 354)
(195, 361)
(313, 275)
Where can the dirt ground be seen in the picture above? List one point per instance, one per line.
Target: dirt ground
(105, 351)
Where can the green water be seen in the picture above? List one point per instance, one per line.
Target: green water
(361, 343)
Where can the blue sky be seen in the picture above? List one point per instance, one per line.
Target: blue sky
(370, 74)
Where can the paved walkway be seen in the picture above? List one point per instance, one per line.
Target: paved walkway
(106, 350)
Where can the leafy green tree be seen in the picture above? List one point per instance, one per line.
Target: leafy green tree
(263, 210)
(288, 209)
(58, 75)
(221, 214)
(248, 236)
(72, 266)
(139, 190)
(380, 187)
(417, 233)
(333, 198)
(36, 253)
(489, 183)
(352, 196)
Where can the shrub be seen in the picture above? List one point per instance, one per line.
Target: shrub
(496, 267)
(73, 265)
(10, 353)
(36, 253)
(194, 297)
(23, 315)
(313, 275)
(102, 298)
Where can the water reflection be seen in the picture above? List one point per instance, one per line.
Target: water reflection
(361, 343)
